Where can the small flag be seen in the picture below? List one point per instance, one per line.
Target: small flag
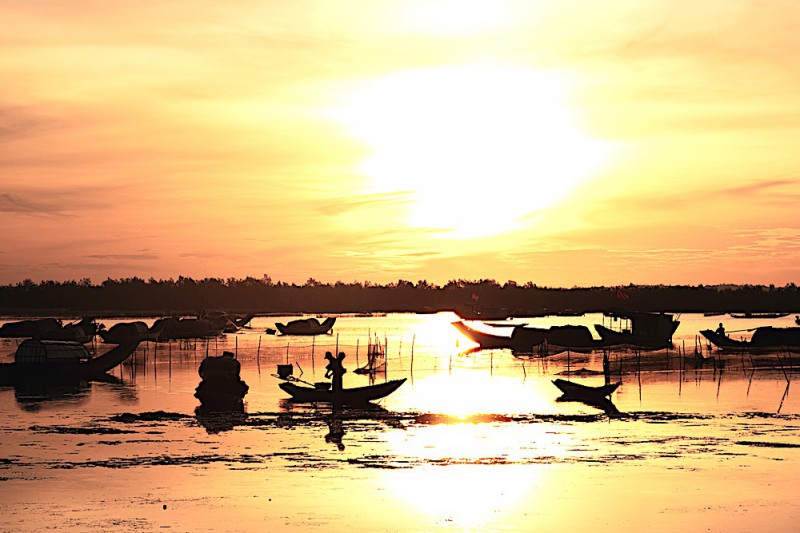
(475, 296)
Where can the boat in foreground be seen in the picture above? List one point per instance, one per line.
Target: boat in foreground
(49, 361)
(354, 396)
(576, 390)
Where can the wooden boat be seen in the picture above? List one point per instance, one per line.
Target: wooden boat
(51, 329)
(354, 396)
(127, 332)
(528, 339)
(646, 330)
(306, 326)
(171, 328)
(759, 315)
(577, 391)
(48, 361)
(764, 338)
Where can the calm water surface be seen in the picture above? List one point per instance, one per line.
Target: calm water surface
(474, 440)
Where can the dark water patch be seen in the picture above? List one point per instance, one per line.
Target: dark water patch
(151, 416)
(66, 430)
(763, 444)
(164, 460)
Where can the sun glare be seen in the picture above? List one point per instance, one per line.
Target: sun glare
(455, 17)
(477, 147)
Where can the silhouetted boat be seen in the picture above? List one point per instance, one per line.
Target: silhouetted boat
(170, 328)
(528, 339)
(354, 396)
(306, 326)
(647, 330)
(29, 328)
(46, 360)
(577, 391)
(127, 332)
(759, 315)
(51, 329)
(764, 338)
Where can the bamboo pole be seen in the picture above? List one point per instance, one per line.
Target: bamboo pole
(258, 355)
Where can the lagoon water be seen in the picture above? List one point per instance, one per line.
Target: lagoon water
(473, 441)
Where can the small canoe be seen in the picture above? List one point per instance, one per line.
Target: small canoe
(354, 396)
(576, 390)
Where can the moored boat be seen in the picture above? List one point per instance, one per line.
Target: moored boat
(758, 315)
(306, 326)
(645, 330)
(529, 339)
(46, 360)
(353, 396)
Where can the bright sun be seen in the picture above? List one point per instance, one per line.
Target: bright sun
(477, 147)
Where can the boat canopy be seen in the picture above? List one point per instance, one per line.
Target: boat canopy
(35, 351)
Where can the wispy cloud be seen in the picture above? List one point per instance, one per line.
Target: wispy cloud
(16, 204)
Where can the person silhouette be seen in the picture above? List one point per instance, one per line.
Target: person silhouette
(335, 370)
(721, 329)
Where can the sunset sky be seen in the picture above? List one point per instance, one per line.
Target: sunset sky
(560, 142)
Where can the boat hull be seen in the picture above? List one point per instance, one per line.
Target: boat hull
(578, 391)
(763, 339)
(354, 396)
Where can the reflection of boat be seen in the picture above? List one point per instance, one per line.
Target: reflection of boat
(765, 337)
(354, 396)
(578, 391)
(758, 315)
(306, 326)
(528, 339)
(37, 360)
(648, 330)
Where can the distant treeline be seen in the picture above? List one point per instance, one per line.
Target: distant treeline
(484, 297)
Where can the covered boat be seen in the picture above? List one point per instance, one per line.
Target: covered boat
(642, 329)
(528, 339)
(306, 326)
(43, 360)
(354, 396)
(764, 338)
(126, 332)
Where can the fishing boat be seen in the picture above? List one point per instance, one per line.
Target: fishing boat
(47, 361)
(759, 315)
(764, 338)
(354, 396)
(578, 391)
(529, 339)
(641, 329)
(51, 329)
(306, 326)
(127, 332)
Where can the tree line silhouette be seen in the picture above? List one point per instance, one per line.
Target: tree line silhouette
(486, 296)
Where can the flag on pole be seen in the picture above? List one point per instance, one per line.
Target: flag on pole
(475, 296)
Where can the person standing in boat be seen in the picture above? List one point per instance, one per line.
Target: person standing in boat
(335, 370)
(721, 330)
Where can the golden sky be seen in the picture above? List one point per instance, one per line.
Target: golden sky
(561, 142)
